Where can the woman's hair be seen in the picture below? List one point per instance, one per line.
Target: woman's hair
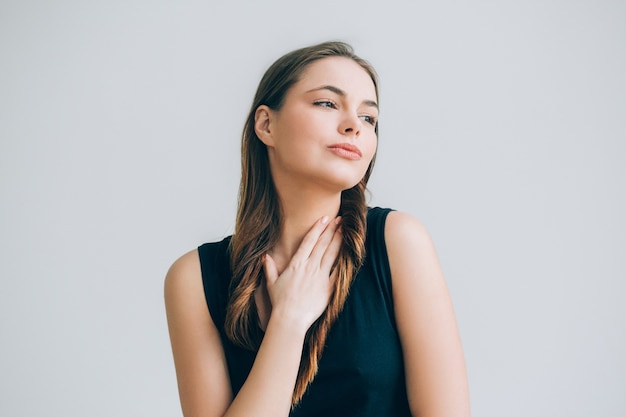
(259, 218)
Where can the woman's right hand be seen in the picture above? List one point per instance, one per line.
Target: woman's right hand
(302, 291)
(299, 295)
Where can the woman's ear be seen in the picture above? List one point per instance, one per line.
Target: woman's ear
(262, 123)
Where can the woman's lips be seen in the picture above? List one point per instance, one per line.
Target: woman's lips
(346, 150)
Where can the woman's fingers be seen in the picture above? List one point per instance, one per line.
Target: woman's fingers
(311, 240)
(333, 278)
(271, 272)
(324, 241)
(332, 250)
(302, 290)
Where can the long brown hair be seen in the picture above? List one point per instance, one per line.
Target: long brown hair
(259, 215)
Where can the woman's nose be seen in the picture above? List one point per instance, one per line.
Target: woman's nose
(350, 124)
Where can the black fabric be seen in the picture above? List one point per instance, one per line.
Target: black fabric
(361, 372)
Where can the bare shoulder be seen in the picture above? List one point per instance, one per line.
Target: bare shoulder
(183, 282)
(412, 257)
(416, 273)
(203, 381)
(185, 268)
(402, 225)
(434, 362)
(405, 235)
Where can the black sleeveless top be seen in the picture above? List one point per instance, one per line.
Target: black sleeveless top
(361, 371)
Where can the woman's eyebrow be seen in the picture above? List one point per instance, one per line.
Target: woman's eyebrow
(341, 93)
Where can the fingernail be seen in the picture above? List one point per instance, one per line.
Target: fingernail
(324, 219)
(338, 219)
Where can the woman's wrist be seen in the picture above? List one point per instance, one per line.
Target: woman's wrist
(287, 324)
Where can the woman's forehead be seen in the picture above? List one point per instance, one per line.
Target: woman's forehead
(341, 72)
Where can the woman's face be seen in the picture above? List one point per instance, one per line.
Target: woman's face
(324, 134)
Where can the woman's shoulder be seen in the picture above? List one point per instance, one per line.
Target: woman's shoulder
(407, 239)
(187, 269)
(425, 319)
(397, 226)
(184, 273)
(410, 248)
(404, 226)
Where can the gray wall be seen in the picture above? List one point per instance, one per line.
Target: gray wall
(503, 128)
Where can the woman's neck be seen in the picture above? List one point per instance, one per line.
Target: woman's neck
(300, 210)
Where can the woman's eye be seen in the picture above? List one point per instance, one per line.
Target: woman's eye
(369, 119)
(325, 103)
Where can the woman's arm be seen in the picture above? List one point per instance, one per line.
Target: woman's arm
(203, 382)
(299, 295)
(435, 368)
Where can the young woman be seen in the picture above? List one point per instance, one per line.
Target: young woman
(317, 305)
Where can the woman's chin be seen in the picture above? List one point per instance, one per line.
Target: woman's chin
(342, 184)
